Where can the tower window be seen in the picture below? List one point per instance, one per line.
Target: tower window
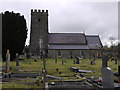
(38, 20)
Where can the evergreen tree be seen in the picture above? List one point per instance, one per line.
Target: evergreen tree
(14, 34)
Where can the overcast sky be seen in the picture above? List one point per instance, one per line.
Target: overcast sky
(72, 16)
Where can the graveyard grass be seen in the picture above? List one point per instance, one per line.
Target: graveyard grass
(51, 66)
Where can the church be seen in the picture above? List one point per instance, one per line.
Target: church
(60, 45)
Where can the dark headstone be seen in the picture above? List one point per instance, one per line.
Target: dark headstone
(56, 60)
(73, 61)
(77, 61)
(115, 60)
(112, 59)
(35, 60)
(25, 57)
(105, 59)
(17, 60)
(57, 70)
(37, 81)
(65, 61)
(28, 56)
(62, 62)
(10, 68)
(29, 61)
(118, 70)
(93, 61)
(9, 75)
(74, 69)
(60, 73)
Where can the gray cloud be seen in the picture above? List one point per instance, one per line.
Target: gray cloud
(74, 16)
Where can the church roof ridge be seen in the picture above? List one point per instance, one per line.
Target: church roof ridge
(92, 35)
(67, 33)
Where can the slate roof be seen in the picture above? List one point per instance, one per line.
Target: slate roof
(68, 47)
(94, 41)
(67, 38)
(73, 41)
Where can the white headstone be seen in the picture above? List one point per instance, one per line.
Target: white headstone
(107, 77)
(46, 86)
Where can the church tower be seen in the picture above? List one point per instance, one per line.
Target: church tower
(39, 32)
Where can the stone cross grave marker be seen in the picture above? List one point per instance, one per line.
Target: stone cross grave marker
(7, 61)
(17, 61)
(107, 74)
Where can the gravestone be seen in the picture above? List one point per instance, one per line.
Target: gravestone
(107, 73)
(37, 81)
(115, 60)
(35, 60)
(25, 57)
(65, 61)
(60, 73)
(93, 60)
(57, 70)
(118, 70)
(9, 75)
(29, 61)
(73, 61)
(17, 61)
(55, 60)
(107, 77)
(77, 61)
(62, 62)
(112, 59)
(28, 57)
(105, 59)
(7, 61)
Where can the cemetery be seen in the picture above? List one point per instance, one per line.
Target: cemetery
(63, 73)
(55, 60)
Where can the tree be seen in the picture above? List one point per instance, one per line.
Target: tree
(14, 33)
(112, 39)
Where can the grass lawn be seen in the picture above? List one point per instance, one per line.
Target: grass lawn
(51, 66)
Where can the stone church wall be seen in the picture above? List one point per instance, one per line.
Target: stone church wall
(67, 53)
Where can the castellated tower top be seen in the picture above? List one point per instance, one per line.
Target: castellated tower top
(39, 31)
(39, 11)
